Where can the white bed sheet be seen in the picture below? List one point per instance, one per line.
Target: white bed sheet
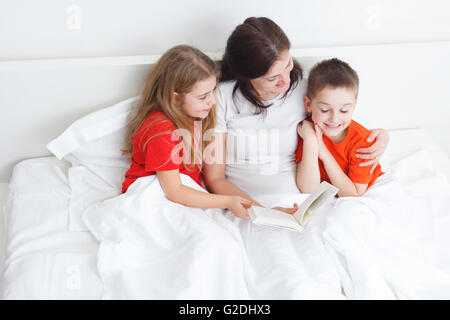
(408, 141)
(43, 260)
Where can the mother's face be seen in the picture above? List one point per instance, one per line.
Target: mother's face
(277, 79)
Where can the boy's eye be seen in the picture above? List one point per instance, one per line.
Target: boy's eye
(344, 111)
(324, 111)
(203, 98)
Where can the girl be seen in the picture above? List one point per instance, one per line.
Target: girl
(179, 96)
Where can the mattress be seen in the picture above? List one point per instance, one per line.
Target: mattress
(46, 260)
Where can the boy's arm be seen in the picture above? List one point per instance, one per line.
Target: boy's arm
(308, 173)
(347, 188)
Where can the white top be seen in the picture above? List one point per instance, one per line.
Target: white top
(260, 150)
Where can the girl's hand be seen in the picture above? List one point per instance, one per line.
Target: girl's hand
(288, 210)
(376, 150)
(238, 206)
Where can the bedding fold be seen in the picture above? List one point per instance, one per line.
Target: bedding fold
(388, 244)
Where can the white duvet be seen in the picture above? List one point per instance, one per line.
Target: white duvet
(391, 243)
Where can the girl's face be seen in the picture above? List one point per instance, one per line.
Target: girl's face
(332, 110)
(277, 80)
(198, 102)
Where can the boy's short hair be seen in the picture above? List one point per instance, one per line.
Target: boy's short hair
(332, 73)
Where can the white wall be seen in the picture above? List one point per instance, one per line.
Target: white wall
(49, 29)
(31, 29)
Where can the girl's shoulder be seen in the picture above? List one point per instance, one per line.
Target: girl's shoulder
(157, 122)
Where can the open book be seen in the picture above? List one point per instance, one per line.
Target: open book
(324, 193)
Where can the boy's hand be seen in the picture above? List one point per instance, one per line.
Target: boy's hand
(322, 146)
(305, 129)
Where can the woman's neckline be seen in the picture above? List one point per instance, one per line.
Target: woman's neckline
(275, 98)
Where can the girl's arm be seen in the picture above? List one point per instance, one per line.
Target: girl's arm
(177, 192)
(376, 150)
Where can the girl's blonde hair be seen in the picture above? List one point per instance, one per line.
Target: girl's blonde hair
(178, 70)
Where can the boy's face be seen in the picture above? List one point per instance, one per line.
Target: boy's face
(332, 110)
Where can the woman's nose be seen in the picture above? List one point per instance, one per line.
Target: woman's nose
(285, 77)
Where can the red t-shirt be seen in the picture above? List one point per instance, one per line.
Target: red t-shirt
(344, 153)
(156, 155)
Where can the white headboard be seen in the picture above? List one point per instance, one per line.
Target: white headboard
(401, 86)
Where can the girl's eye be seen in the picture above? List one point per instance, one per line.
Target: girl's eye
(203, 98)
(271, 79)
(344, 111)
(324, 111)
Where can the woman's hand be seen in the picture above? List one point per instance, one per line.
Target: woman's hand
(238, 206)
(376, 150)
(288, 210)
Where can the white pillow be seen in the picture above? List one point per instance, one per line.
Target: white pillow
(95, 141)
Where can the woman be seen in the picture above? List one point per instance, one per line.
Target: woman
(259, 106)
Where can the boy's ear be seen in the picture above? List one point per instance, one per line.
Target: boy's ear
(307, 103)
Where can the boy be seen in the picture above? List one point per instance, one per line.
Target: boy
(329, 138)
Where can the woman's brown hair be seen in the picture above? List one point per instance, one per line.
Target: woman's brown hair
(178, 70)
(251, 50)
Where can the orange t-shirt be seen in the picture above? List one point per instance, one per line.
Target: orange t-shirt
(344, 153)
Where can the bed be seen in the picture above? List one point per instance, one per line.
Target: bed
(42, 257)
(62, 239)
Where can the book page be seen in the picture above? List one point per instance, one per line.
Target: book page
(267, 213)
(316, 204)
(323, 193)
(273, 217)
